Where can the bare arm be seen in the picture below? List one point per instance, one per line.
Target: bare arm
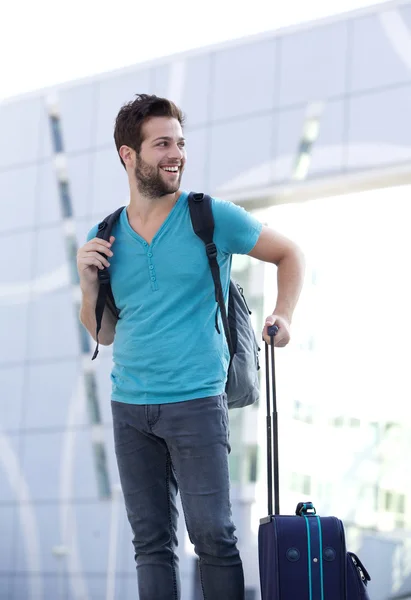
(88, 318)
(89, 261)
(279, 250)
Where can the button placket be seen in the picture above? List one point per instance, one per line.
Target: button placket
(151, 271)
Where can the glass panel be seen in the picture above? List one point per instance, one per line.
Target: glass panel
(7, 543)
(11, 386)
(110, 184)
(48, 523)
(53, 388)
(48, 205)
(42, 453)
(244, 79)
(235, 464)
(56, 134)
(326, 153)
(13, 327)
(160, 83)
(18, 193)
(195, 99)
(46, 262)
(113, 92)
(194, 178)
(380, 61)
(80, 175)
(65, 199)
(93, 466)
(21, 120)
(85, 338)
(78, 105)
(53, 329)
(71, 251)
(313, 64)
(378, 133)
(101, 470)
(16, 264)
(9, 459)
(240, 154)
(252, 463)
(92, 398)
(34, 586)
(103, 370)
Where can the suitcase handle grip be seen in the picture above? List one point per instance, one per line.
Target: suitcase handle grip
(272, 330)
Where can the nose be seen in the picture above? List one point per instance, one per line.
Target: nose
(177, 152)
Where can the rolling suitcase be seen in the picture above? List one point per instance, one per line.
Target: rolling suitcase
(303, 556)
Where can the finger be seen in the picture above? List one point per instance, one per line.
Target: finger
(100, 258)
(100, 241)
(90, 261)
(282, 341)
(84, 256)
(96, 246)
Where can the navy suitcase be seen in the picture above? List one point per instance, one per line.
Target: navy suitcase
(303, 556)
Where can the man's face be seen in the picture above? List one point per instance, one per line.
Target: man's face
(160, 163)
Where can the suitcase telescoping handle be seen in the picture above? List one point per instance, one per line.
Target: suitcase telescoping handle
(272, 426)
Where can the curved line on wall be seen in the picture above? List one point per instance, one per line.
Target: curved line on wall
(27, 516)
(68, 529)
(398, 34)
(366, 155)
(21, 293)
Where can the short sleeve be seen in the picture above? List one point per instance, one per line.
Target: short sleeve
(236, 230)
(92, 233)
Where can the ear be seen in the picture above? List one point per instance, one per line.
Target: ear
(127, 154)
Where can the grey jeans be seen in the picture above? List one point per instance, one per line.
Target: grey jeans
(181, 446)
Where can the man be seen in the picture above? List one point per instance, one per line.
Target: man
(170, 363)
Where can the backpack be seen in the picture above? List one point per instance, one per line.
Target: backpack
(242, 387)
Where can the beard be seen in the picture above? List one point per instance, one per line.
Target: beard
(150, 182)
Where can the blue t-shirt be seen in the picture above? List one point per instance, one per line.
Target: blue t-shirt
(166, 346)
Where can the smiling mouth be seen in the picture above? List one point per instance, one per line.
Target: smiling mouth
(171, 169)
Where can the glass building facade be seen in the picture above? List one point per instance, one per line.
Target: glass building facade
(274, 122)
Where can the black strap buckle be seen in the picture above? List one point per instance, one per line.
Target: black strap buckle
(305, 509)
(211, 250)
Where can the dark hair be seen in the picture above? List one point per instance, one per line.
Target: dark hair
(130, 119)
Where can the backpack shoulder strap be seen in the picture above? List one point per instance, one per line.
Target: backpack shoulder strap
(202, 219)
(105, 293)
(106, 225)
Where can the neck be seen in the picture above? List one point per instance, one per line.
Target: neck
(145, 208)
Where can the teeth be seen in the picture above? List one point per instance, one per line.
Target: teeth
(171, 169)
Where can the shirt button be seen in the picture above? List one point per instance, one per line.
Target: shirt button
(150, 254)
(151, 267)
(153, 279)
